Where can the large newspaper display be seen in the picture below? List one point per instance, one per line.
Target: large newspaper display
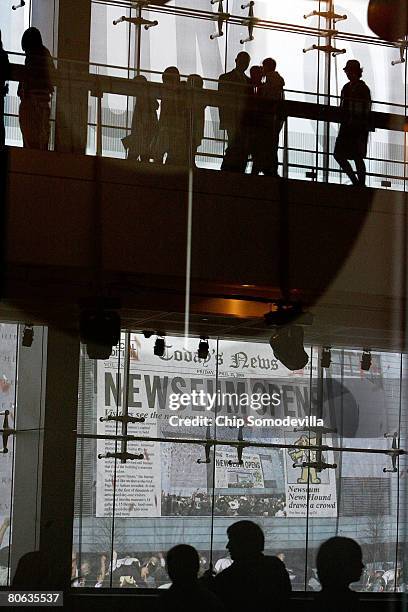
(182, 397)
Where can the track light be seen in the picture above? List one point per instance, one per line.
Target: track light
(28, 335)
(326, 357)
(159, 347)
(203, 348)
(287, 346)
(366, 360)
(99, 329)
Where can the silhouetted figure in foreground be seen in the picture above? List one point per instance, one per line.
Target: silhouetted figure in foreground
(270, 122)
(236, 86)
(254, 581)
(353, 134)
(144, 125)
(35, 91)
(4, 77)
(339, 562)
(32, 572)
(187, 593)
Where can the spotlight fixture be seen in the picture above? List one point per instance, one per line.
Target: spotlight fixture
(287, 346)
(366, 360)
(326, 357)
(159, 347)
(99, 329)
(28, 335)
(203, 348)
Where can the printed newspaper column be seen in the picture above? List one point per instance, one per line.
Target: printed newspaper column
(134, 486)
(322, 485)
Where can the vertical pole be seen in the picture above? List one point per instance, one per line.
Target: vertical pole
(327, 90)
(59, 453)
(99, 124)
(285, 148)
(138, 40)
(125, 398)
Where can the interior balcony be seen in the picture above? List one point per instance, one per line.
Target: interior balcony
(78, 227)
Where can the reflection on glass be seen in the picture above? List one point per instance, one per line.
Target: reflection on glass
(187, 479)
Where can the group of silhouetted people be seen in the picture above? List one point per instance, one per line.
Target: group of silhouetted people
(253, 580)
(254, 122)
(173, 135)
(251, 115)
(250, 112)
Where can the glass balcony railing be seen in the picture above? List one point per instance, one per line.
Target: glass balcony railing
(309, 124)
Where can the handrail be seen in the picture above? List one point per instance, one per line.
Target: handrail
(98, 85)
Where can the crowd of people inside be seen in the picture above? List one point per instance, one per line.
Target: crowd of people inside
(250, 112)
(245, 579)
(239, 576)
(200, 504)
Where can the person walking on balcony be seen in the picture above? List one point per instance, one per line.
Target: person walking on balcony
(235, 88)
(35, 91)
(4, 77)
(270, 123)
(144, 124)
(351, 143)
(171, 131)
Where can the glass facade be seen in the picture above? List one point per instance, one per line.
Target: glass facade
(196, 467)
(181, 36)
(8, 379)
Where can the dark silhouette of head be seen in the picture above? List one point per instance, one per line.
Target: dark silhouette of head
(31, 40)
(171, 76)
(183, 564)
(256, 75)
(353, 70)
(245, 540)
(339, 562)
(195, 80)
(242, 61)
(269, 65)
(32, 572)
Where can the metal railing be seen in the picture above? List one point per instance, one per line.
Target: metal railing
(301, 152)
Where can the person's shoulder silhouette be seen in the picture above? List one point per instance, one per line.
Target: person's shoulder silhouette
(186, 593)
(253, 580)
(339, 563)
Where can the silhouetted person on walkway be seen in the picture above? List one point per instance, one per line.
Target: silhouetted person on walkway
(195, 116)
(236, 86)
(270, 122)
(339, 562)
(187, 593)
(171, 132)
(254, 581)
(35, 91)
(144, 125)
(4, 77)
(353, 134)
